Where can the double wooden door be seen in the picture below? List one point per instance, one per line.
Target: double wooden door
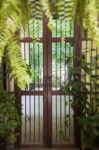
(48, 118)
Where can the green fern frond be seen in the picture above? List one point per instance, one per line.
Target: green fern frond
(25, 12)
(46, 8)
(86, 14)
(37, 11)
(97, 5)
(90, 21)
(11, 15)
(65, 9)
(18, 65)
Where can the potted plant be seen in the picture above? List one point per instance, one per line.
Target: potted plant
(9, 119)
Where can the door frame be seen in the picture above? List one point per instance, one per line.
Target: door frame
(47, 82)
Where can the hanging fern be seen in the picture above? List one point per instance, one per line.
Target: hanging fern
(46, 8)
(90, 20)
(65, 9)
(11, 15)
(85, 11)
(37, 11)
(7, 24)
(25, 12)
(17, 64)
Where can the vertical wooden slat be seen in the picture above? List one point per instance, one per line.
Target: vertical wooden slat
(56, 79)
(30, 118)
(29, 88)
(18, 130)
(45, 98)
(34, 119)
(77, 54)
(56, 55)
(25, 120)
(39, 118)
(38, 88)
(38, 62)
(60, 78)
(70, 30)
(34, 79)
(56, 87)
(65, 82)
(49, 87)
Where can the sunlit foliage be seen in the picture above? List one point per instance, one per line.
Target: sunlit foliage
(11, 19)
(85, 12)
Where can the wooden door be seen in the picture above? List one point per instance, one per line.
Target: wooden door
(48, 118)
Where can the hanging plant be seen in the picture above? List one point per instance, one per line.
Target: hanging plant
(46, 8)
(11, 20)
(85, 12)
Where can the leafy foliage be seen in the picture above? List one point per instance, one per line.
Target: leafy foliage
(9, 118)
(84, 98)
(18, 66)
(46, 8)
(89, 126)
(85, 12)
(11, 15)
(25, 13)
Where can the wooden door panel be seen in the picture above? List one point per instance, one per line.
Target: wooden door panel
(45, 112)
